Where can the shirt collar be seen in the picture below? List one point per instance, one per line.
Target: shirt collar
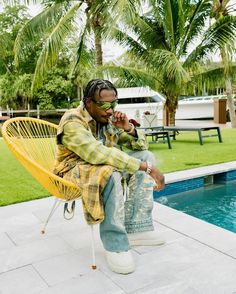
(81, 108)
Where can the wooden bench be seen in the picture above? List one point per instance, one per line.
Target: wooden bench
(200, 131)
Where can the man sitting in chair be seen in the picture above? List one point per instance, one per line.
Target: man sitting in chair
(116, 187)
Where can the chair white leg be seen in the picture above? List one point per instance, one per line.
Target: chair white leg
(54, 207)
(93, 248)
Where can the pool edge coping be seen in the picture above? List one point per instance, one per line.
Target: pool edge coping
(207, 234)
(198, 172)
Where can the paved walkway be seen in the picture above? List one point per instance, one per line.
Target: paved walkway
(197, 258)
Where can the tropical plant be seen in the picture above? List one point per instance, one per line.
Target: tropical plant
(15, 90)
(14, 85)
(11, 20)
(54, 93)
(172, 41)
(57, 91)
(64, 22)
(222, 9)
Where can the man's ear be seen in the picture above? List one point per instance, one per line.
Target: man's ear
(88, 103)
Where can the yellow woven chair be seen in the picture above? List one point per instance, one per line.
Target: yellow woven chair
(33, 142)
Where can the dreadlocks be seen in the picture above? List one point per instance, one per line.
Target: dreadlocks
(96, 86)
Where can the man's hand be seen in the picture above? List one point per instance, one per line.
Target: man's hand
(158, 178)
(120, 120)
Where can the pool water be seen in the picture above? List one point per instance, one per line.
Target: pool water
(215, 204)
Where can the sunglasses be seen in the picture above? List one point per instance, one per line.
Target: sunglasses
(106, 105)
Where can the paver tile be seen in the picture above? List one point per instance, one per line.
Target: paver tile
(21, 281)
(32, 252)
(5, 242)
(17, 221)
(95, 282)
(64, 267)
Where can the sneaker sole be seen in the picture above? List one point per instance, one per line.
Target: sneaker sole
(121, 270)
(145, 243)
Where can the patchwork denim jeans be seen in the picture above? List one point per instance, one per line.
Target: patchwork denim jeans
(128, 212)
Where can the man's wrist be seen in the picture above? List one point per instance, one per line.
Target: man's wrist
(146, 167)
(149, 167)
(131, 129)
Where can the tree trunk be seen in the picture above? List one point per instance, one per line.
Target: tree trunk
(230, 102)
(228, 86)
(172, 118)
(96, 24)
(98, 47)
(170, 108)
(97, 29)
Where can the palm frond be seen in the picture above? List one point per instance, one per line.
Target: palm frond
(222, 32)
(53, 44)
(125, 40)
(168, 65)
(84, 58)
(199, 53)
(22, 84)
(34, 29)
(125, 10)
(5, 43)
(227, 59)
(126, 76)
(216, 37)
(210, 79)
(151, 33)
(170, 22)
(78, 54)
(194, 23)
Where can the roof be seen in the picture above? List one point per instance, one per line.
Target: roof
(138, 92)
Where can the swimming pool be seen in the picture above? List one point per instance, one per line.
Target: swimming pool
(215, 204)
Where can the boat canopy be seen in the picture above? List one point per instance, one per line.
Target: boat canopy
(139, 92)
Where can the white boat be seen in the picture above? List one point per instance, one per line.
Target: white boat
(198, 107)
(138, 100)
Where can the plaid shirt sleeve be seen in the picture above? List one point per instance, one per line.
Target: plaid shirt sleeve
(134, 143)
(81, 141)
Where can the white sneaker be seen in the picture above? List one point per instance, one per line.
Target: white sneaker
(120, 262)
(145, 239)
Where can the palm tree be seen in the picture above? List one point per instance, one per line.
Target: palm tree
(172, 39)
(64, 22)
(222, 9)
(11, 19)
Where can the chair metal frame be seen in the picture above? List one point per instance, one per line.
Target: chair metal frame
(33, 142)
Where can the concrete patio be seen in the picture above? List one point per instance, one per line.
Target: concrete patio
(197, 258)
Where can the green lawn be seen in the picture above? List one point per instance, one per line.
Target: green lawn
(16, 185)
(187, 153)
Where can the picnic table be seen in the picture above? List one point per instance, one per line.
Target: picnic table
(200, 131)
(157, 133)
(165, 132)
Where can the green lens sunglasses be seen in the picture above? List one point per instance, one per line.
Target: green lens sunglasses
(106, 105)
